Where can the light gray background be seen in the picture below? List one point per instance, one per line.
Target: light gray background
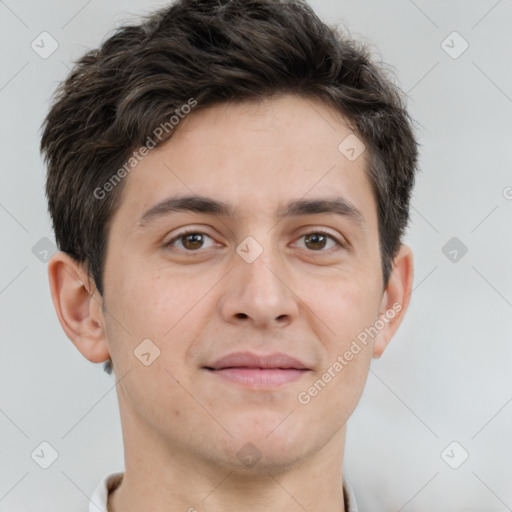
(446, 375)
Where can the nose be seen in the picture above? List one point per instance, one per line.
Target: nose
(259, 293)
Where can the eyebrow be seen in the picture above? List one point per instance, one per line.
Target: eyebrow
(208, 205)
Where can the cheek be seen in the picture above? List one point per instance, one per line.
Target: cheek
(335, 389)
(166, 309)
(346, 306)
(154, 302)
(149, 306)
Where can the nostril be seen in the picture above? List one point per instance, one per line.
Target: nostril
(241, 315)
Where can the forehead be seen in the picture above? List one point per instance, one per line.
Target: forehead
(254, 155)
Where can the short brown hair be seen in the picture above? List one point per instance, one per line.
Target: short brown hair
(213, 51)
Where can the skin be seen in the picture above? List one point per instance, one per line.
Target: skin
(182, 425)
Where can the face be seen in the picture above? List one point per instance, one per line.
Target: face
(287, 266)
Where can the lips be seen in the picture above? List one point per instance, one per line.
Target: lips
(250, 360)
(258, 371)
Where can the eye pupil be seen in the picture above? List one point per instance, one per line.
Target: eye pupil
(195, 238)
(315, 237)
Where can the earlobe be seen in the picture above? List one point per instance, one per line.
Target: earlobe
(78, 306)
(395, 299)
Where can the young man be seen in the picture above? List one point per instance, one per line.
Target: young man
(229, 184)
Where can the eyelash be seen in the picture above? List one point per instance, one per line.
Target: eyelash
(197, 232)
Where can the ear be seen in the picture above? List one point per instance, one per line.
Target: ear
(395, 299)
(79, 306)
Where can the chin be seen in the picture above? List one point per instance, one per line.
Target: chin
(268, 447)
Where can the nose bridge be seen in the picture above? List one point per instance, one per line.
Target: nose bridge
(257, 289)
(260, 266)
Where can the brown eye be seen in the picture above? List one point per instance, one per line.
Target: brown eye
(189, 241)
(318, 240)
(192, 241)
